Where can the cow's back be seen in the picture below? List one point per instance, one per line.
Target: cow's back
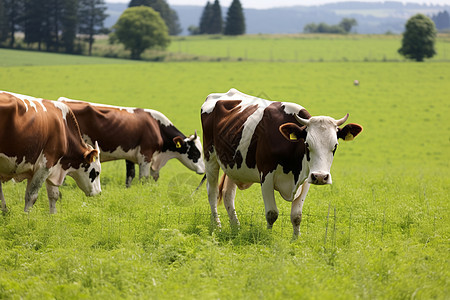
(127, 129)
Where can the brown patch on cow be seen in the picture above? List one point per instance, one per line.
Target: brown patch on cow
(112, 128)
(222, 130)
(269, 148)
(28, 133)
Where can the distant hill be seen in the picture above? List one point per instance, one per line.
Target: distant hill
(373, 18)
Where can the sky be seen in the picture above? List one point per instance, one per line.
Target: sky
(261, 4)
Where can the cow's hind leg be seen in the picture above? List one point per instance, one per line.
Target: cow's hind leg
(131, 173)
(212, 176)
(229, 193)
(53, 195)
(4, 208)
(296, 210)
(270, 205)
(33, 186)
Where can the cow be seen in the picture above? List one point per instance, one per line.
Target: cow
(276, 144)
(140, 136)
(40, 141)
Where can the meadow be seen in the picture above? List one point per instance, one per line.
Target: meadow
(382, 230)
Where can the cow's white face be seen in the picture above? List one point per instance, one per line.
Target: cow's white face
(321, 142)
(87, 176)
(320, 135)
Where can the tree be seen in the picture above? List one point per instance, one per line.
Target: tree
(140, 28)
(69, 25)
(235, 21)
(3, 22)
(216, 24)
(347, 24)
(419, 38)
(14, 12)
(91, 16)
(169, 15)
(205, 19)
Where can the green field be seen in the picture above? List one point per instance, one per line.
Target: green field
(382, 230)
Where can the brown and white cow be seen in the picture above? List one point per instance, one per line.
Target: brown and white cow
(40, 141)
(142, 136)
(276, 144)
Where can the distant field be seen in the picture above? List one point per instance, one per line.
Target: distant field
(381, 231)
(303, 48)
(294, 48)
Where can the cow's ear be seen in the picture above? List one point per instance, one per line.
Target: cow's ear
(349, 131)
(91, 155)
(178, 141)
(292, 132)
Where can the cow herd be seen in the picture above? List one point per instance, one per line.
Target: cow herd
(276, 144)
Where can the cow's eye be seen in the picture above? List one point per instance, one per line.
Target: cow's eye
(335, 148)
(307, 146)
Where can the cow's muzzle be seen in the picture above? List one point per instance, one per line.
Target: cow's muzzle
(320, 178)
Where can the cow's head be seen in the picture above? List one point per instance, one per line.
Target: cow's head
(190, 152)
(320, 135)
(87, 175)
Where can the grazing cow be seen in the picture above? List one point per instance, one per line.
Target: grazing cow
(40, 141)
(141, 136)
(276, 144)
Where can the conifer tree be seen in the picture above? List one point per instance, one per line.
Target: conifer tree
(235, 21)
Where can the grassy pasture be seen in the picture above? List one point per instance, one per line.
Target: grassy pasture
(380, 231)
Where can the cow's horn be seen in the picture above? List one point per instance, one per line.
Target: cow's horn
(195, 135)
(342, 121)
(301, 120)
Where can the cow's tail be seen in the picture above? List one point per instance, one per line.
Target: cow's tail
(221, 184)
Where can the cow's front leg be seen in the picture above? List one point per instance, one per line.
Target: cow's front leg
(270, 205)
(131, 173)
(229, 193)
(33, 186)
(53, 195)
(296, 209)
(4, 208)
(212, 176)
(145, 171)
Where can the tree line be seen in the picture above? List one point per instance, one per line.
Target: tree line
(52, 24)
(65, 25)
(211, 21)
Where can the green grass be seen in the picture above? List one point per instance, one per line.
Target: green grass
(380, 231)
(303, 48)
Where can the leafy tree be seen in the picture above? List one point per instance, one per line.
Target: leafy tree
(140, 28)
(91, 16)
(419, 38)
(205, 19)
(441, 20)
(347, 24)
(235, 21)
(169, 15)
(193, 30)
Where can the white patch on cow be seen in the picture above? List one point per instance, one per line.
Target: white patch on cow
(11, 169)
(159, 117)
(291, 108)
(31, 101)
(64, 108)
